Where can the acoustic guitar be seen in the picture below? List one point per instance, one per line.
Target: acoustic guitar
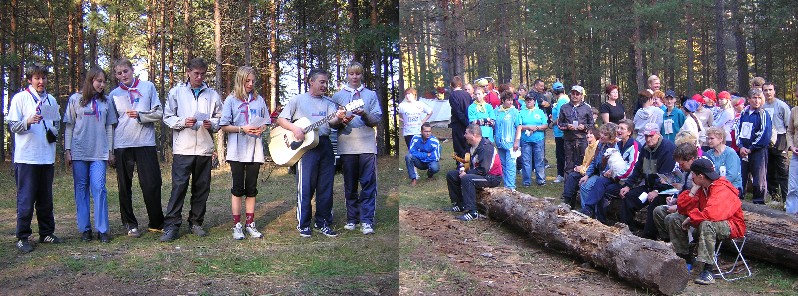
(286, 150)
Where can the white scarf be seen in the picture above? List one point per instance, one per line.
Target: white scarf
(354, 91)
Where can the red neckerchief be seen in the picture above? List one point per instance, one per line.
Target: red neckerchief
(37, 99)
(95, 110)
(244, 107)
(132, 90)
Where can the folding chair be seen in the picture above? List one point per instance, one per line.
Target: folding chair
(738, 244)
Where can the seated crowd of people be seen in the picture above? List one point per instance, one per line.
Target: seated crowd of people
(688, 164)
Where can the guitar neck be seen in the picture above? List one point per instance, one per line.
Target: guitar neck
(319, 123)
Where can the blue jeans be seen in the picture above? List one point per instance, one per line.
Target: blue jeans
(532, 156)
(584, 190)
(508, 168)
(791, 202)
(89, 178)
(412, 163)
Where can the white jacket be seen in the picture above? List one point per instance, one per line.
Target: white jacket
(182, 104)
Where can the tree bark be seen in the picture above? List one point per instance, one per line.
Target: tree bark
(80, 54)
(273, 54)
(771, 235)
(458, 29)
(688, 23)
(189, 37)
(3, 150)
(217, 44)
(645, 263)
(92, 37)
(719, 46)
(638, 49)
(248, 36)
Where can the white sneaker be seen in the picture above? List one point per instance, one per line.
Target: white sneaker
(238, 231)
(366, 229)
(559, 179)
(253, 232)
(350, 226)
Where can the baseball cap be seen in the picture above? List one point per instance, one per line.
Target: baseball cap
(557, 85)
(691, 105)
(578, 88)
(670, 93)
(650, 129)
(705, 167)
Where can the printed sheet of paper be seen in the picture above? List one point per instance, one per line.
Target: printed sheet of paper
(123, 103)
(745, 130)
(668, 124)
(643, 197)
(200, 117)
(49, 112)
(257, 121)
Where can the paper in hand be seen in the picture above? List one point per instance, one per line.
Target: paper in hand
(643, 197)
(200, 117)
(123, 103)
(49, 112)
(257, 121)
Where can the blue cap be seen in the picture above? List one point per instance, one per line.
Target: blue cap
(558, 85)
(691, 105)
(670, 93)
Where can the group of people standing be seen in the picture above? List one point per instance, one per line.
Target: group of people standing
(118, 129)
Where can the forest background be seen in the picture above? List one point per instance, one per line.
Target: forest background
(690, 44)
(281, 39)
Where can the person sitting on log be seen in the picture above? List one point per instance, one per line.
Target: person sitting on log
(571, 186)
(486, 171)
(655, 158)
(684, 155)
(596, 168)
(713, 208)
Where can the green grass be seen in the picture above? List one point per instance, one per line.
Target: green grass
(317, 265)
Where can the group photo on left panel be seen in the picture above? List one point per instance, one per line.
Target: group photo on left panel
(199, 147)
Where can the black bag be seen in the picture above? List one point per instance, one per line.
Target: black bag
(51, 137)
(781, 142)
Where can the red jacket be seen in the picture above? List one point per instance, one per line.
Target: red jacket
(724, 205)
(492, 98)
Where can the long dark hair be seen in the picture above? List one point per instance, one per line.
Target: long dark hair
(88, 85)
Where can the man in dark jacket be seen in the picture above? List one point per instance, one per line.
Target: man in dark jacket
(459, 100)
(574, 119)
(485, 171)
(644, 185)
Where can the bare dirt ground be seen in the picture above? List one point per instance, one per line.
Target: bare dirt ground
(486, 258)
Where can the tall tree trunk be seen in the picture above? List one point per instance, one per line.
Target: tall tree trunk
(152, 10)
(71, 53)
(354, 16)
(189, 27)
(274, 10)
(742, 56)
(383, 141)
(445, 40)
(248, 36)
(720, 46)
(3, 150)
(671, 67)
(54, 51)
(116, 45)
(638, 49)
(688, 22)
(705, 56)
(92, 36)
(80, 55)
(217, 44)
(458, 29)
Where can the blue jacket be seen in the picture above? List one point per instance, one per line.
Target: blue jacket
(483, 117)
(419, 149)
(761, 129)
(731, 162)
(678, 117)
(506, 123)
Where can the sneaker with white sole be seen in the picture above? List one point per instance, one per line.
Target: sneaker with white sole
(198, 231)
(559, 179)
(305, 232)
(253, 232)
(366, 228)
(326, 230)
(705, 278)
(468, 216)
(50, 239)
(24, 246)
(134, 232)
(350, 226)
(238, 231)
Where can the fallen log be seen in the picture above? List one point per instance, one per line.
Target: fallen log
(771, 235)
(642, 262)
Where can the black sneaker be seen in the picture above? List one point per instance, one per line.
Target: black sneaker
(51, 239)
(328, 231)
(134, 232)
(468, 216)
(198, 231)
(705, 278)
(170, 235)
(24, 246)
(86, 236)
(305, 232)
(104, 237)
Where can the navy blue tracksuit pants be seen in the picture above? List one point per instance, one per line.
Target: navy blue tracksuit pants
(360, 169)
(34, 190)
(315, 173)
(757, 166)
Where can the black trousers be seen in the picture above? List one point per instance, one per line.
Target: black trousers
(559, 152)
(183, 167)
(632, 204)
(777, 173)
(245, 178)
(34, 191)
(149, 172)
(458, 140)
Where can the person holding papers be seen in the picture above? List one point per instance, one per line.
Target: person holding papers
(244, 114)
(137, 108)
(192, 112)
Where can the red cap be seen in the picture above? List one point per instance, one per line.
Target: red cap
(724, 95)
(710, 95)
(698, 98)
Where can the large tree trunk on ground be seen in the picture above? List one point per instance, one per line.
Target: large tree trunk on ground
(642, 262)
(771, 235)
